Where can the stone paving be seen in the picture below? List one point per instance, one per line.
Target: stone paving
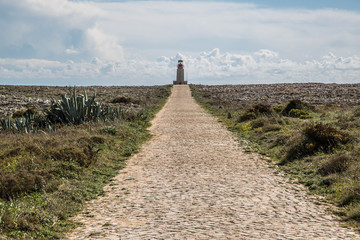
(192, 180)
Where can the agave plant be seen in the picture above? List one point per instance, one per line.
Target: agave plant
(75, 109)
(108, 114)
(26, 124)
(5, 124)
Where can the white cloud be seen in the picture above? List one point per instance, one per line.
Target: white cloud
(56, 29)
(103, 45)
(263, 66)
(265, 54)
(195, 26)
(71, 50)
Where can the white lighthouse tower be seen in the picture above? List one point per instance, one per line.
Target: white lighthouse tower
(180, 74)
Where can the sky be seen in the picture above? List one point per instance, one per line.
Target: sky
(117, 42)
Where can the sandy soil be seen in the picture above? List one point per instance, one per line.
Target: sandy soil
(192, 180)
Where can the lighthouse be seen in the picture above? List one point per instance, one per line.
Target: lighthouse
(180, 74)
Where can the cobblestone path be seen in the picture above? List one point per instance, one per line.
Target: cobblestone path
(193, 181)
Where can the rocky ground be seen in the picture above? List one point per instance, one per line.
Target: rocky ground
(14, 98)
(194, 181)
(317, 94)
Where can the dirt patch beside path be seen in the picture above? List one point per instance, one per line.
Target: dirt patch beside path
(193, 181)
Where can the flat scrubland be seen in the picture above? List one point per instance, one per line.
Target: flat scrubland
(54, 157)
(312, 131)
(15, 98)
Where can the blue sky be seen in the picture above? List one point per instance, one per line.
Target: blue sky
(62, 42)
(309, 4)
(353, 5)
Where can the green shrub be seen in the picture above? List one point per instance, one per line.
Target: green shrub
(327, 181)
(26, 122)
(295, 148)
(15, 184)
(109, 130)
(299, 113)
(255, 111)
(121, 99)
(354, 213)
(28, 222)
(356, 112)
(7, 219)
(278, 109)
(83, 156)
(325, 137)
(257, 123)
(261, 108)
(271, 128)
(295, 104)
(85, 141)
(336, 164)
(350, 194)
(18, 114)
(97, 140)
(314, 138)
(246, 117)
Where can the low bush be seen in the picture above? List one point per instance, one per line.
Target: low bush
(294, 148)
(324, 137)
(299, 113)
(260, 109)
(132, 116)
(18, 114)
(278, 109)
(83, 156)
(258, 123)
(295, 104)
(271, 128)
(121, 99)
(255, 111)
(21, 113)
(354, 213)
(350, 194)
(246, 117)
(314, 138)
(356, 112)
(336, 164)
(328, 181)
(13, 185)
(109, 130)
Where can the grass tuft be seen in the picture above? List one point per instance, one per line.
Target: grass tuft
(336, 164)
